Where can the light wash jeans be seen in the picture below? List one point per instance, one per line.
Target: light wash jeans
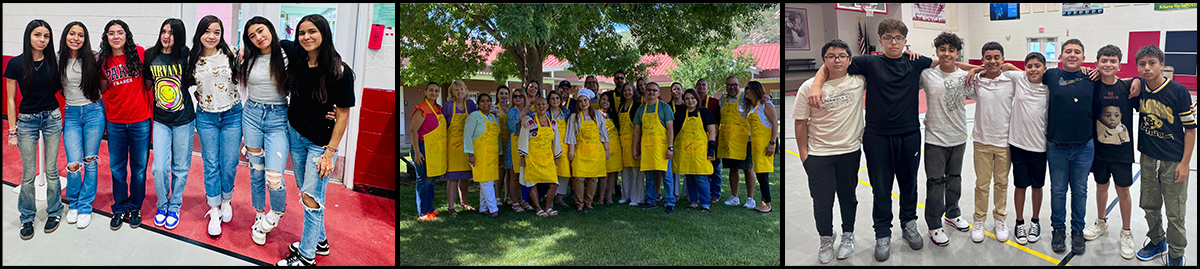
(265, 127)
(172, 157)
(220, 143)
(304, 164)
(49, 125)
(128, 147)
(81, 137)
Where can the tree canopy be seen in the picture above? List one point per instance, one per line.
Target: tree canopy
(714, 63)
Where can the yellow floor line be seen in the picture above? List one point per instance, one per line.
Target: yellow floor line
(989, 234)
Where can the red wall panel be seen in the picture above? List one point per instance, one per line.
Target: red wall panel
(376, 153)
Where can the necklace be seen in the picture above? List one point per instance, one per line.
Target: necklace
(39, 66)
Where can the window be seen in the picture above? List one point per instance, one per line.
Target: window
(1046, 45)
(290, 15)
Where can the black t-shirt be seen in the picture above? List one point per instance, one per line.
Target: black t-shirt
(1113, 126)
(37, 94)
(172, 103)
(1166, 113)
(682, 114)
(893, 87)
(1069, 120)
(307, 114)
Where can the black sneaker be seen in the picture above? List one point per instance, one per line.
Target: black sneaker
(1077, 242)
(670, 209)
(1058, 240)
(116, 221)
(134, 218)
(649, 205)
(52, 224)
(322, 248)
(296, 260)
(26, 230)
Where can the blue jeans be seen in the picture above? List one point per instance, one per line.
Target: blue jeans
(220, 143)
(652, 188)
(697, 189)
(1069, 166)
(714, 180)
(172, 156)
(424, 186)
(265, 127)
(49, 125)
(304, 164)
(81, 137)
(128, 144)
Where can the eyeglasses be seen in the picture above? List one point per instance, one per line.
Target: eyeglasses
(115, 33)
(896, 39)
(839, 57)
(731, 84)
(618, 77)
(518, 96)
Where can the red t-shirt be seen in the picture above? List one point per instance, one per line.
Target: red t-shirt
(127, 100)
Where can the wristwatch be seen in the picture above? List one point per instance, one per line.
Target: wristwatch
(671, 148)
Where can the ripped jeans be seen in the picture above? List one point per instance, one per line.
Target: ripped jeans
(265, 129)
(172, 158)
(81, 139)
(304, 164)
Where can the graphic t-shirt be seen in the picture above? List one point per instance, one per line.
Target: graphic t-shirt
(837, 127)
(172, 105)
(1165, 113)
(892, 92)
(946, 117)
(1070, 119)
(127, 100)
(1114, 118)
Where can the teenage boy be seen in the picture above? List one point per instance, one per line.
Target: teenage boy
(990, 140)
(1167, 135)
(1113, 110)
(945, 138)
(828, 141)
(1027, 142)
(891, 138)
(1069, 148)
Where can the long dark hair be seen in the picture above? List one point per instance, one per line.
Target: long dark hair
(178, 48)
(189, 78)
(132, 61)
(636, 99)
(47, 52)
(756, 88)
(87, 59)
(328, 58)
(278, 72)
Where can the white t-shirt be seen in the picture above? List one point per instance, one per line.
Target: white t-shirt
(215, 90)
(946, 117)
(837, 127)
(1027, 130)
(993, 110)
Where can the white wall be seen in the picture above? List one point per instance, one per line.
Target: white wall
(921, 34)
(143, 20)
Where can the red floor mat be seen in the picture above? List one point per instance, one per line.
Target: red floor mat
(360, 227)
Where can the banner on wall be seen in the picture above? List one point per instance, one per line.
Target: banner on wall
(1170, 6)
(1072, 9)
(930, 12)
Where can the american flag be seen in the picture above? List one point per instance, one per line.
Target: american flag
(862, 41)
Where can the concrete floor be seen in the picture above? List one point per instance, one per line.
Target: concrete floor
(801, 239)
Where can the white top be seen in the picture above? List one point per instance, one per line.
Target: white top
(259, 84)
(993, 109)
(1027, 130)
(837, 127)
(71, 87)
(945, 117)
(215, 91)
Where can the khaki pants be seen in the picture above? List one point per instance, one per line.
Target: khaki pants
(584, 195)
(991, 165)
(1158, 189)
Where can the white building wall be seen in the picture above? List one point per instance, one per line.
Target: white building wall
(143, 20)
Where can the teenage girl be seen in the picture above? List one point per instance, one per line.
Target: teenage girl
(264, 121)
(84, 116)
(211, 71)
(36, 71)
(128, 111)
(174, 120)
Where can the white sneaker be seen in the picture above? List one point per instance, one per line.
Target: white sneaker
(1127, 244)
(1096, 230)
(214, 222)
(226, 212)
(1001, 231)
(72, 215)
(270, 220)
(633, 203)
(733, 200)
(257, 234)
(977, 232)
(83, 221)
(958, 223)
(622, 201)
(750, 203)
(938, 236)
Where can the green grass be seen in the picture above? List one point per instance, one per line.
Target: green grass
(611, 234)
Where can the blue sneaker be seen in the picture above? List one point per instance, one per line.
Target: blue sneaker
(1175, 261)
(160, 217)
(1151, 251)
(172, 219)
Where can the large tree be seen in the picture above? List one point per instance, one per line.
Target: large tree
(713, 63)
(446, 41)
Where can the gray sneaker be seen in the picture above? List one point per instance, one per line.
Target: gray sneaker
(847, 246)
(825, 255)
(883, 248)
(912, 236)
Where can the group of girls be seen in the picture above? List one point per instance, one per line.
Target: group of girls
(298, 97)
(529, 148)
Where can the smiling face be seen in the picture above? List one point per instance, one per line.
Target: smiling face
(1111, 116)
(75, 37)
(947, 55)
(261, 37)
(591, 84)
(731, 86)
(432, 92)
(651, 93)
(583, 101)
(485, 104)
(166, 36)
(992, 59)
(541, 105)
(1072, 57)
(310, 38)
(460, 93)
(619, 78)
(690, 101)
(1108, 65)
(502, 96)
(627, 92)
(1034, 70)
(518, 99)
(532, 90)
(605, 104)
(555, 100)
(116, 36)
(212, 36)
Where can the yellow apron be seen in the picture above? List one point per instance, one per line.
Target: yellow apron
(758, 144)
(457, 158)
(564, 165)
(589, 152)
(539, 165)
(733, 133)
(487, 154)
(435, 147)
(691, 145)
(627, 139)
(654, 141)
(614, 153)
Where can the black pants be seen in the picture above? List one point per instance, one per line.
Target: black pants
(764, 186)
(888, 157)
(828, 175)
(943, 167)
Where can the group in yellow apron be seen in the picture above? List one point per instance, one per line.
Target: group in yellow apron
(539, 163)
(487, 153)
(691, 148)
(761, 136)
(456, 157)
(733, 133)
(435, 147)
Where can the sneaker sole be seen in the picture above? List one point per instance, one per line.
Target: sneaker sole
(1151, 257)
(962, 229)
(318, 252)
(26, 237)
(1085, 238)
(942, 244)
(51, 230)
